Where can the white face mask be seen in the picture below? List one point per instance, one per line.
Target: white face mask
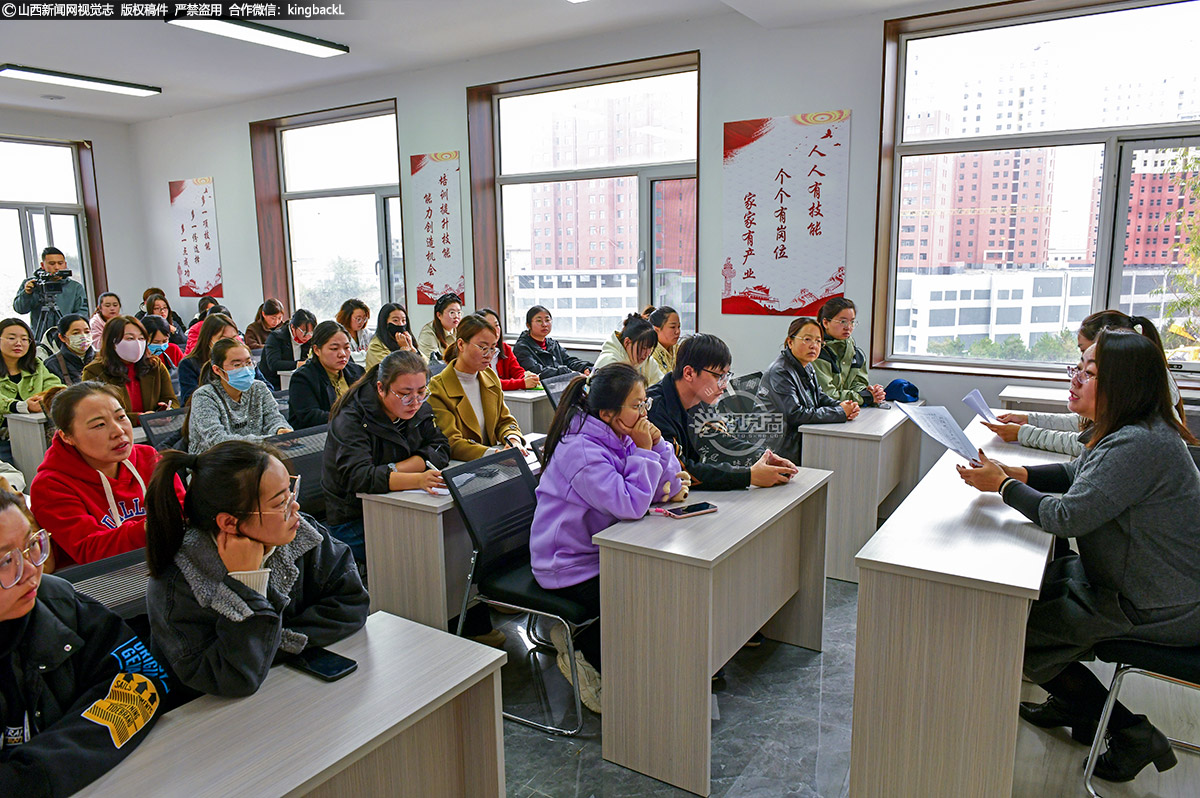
(130, 350)
(78, 343)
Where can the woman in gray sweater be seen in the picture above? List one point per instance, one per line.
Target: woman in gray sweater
(1130, 500)
(231, 404)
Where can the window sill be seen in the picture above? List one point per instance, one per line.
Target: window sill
(1187, 381)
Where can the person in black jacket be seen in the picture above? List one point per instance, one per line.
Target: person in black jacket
(157, 305)
(699, 379)
(790, 389)
(382, 437)
(288, 346)
(537, 352)
(326, 376)
(78, 689)
(239, 578)
(75, 351)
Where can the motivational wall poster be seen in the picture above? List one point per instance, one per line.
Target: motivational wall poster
(435, 185)
(197, 256)
(784, 210)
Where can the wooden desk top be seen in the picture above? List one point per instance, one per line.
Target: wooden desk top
(295, 730)
(947, 531)
(705, 540)
(873, 423)
(524, 396)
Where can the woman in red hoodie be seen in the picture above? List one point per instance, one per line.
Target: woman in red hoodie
(90, 490)
(512, 376)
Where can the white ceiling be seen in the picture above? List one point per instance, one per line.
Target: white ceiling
(199, 70)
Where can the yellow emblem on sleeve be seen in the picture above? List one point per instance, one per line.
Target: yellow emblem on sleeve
(131, 702)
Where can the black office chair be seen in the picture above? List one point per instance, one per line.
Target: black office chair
(304, 449)
(281, 399)
(554, 386)
(164, 430)
(1170, 664)
(118, 582)
(741, 400)
(539, 449)
(436, 366)
(496, 497)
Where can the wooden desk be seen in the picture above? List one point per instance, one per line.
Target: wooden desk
(27, 432)
(285, 379)
(420, 717)
(877, 459)
(1027, 398)
(531, 409)
(943, 597)
(679, 598)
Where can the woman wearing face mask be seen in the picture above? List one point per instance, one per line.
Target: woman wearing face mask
(123, 362)
(288, 347)
(212, 329)
(108, 307)
(90, 490)
(157, 305)
(392, 334)
(266, 320)
(326, 376)
(512, 376)
(441, 332)
(666, 324)
(28, 378)
(353, 316)
(232, 405)
(633, 344)
(159, 342)
(75, 351)
(238, 576)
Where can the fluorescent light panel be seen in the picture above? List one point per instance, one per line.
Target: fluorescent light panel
(76, 81)
(265, 35)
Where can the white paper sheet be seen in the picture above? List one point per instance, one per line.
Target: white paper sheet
(937, 423)
(974, 400)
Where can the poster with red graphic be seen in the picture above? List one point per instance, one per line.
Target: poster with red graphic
(435, 186)
(785, 206)
(197, 257)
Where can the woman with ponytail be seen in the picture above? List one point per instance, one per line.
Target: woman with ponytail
(605, 462)
(238, 575)
(230, 403)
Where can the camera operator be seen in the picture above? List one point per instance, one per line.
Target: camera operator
(50, 294)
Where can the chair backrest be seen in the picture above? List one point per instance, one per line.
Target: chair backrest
(164, 429)
(741, 400)
(495, 495)
(1194, 451)
(747, 383)
(436, 366)
(554, 386)
(118, 582)
(305, 451)
(256, 356)
(281, 399)
(539, 448)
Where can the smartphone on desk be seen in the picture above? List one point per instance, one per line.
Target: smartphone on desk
(699, 508)
(322, 663)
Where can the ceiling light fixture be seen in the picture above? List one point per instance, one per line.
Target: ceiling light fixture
(19, 72)
(265, 35)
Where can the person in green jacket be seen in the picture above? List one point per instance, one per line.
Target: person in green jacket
(842, 367)
(28, 378)
(31, 298)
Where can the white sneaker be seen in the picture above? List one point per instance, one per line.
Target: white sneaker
(589, 677)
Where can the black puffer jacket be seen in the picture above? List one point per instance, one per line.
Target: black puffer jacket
(278, 354)
(791, 390)
(548, 362)
(311, 395)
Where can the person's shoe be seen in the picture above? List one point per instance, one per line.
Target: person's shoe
(755, 640)
(1131, 749)
(589, 677)
(494, 638)
(1055, 712)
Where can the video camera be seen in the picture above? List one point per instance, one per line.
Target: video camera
(51, 283)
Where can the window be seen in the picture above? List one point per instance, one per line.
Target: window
(649, 184)
(1054, 237)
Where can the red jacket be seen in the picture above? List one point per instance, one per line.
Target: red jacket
(69, 501)
(512, 376)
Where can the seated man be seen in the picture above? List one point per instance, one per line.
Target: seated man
(679, 403)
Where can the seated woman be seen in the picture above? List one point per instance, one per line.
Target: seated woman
(512, 376)
(238, 576)
(232, 405)
(67, 659)
(214, 328)
(789, 387)
(632, 344)
(159, 342)
(537, 352)
(382, 437)
(203, 305)
(75, 349)
(266, 320)
(605, 462)
(193, 333)
(353, 316)
(665, 321)
(28, 378)
(288, 346)
(841, 367)
(141, 378)
(466, 396)
(440, 333)
(90, 490)
(392, 334)
(157, 305)
(108, 307)
(1130, 501)
(326, 377)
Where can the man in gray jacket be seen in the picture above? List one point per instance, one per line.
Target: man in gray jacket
(66, 295)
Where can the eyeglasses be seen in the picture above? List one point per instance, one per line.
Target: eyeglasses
(410, 399)
(808, 340)
(13, 339)
(643, 406)
(293, 500)
(487, 351)
(12, 563)
(722, 378)
(1079, 376)
(849, 325)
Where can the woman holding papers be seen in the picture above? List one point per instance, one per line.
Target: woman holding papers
(1130, 500)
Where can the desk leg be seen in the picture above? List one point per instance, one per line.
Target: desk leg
(28, 446)
(523, 414)
(657, 669)
(937, 678)
(543, 415)
(801, 620)
(406, 563)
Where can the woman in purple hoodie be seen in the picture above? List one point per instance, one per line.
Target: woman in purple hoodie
(605, 462)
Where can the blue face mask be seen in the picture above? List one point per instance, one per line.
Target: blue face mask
(240, 379)
(156, 349)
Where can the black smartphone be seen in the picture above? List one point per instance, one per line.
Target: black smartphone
(699, 508)
(322, 663)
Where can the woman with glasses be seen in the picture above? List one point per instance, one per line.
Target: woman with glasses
(238, 576)
(288, 346)
(466, 396)
(605, 463)
(382, 437)
(90, 490)
(67, 662)
(231, 404)
(633, 344)
(28, 378)
(215, 327)
(841, 367)
(790, 388)
(1130, 501)
(325, 378)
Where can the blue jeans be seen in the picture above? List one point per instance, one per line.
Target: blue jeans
(352, 534)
